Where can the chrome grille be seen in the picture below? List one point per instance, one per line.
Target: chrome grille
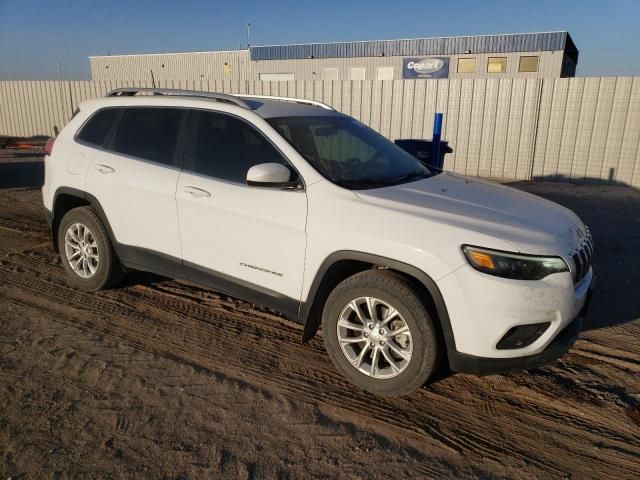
(581, 257)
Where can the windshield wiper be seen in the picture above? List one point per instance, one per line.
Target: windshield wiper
(411, 176)
(361, 184)
(367, 183)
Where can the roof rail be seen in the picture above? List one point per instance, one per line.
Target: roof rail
(288, 99)
(221, 97)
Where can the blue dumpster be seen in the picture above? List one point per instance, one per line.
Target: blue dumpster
(421, 149)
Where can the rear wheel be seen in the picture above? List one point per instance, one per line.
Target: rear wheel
(379, 334)
(86, 251)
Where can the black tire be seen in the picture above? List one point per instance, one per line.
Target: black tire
(393, 289)
(108, 271)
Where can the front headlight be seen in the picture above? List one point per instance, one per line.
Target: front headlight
(513, 265)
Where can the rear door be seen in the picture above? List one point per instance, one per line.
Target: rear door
(247, 241)
(134, 178)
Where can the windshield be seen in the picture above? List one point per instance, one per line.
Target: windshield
(349, 153)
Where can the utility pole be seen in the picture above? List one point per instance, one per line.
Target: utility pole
(61, 87)
(248, 35)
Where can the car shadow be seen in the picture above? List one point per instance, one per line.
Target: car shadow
(21, 170)
(134, 278)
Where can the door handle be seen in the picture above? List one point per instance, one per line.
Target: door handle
(104, 168)
(196, 192)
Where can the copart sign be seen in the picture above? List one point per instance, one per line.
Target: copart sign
(430, 67)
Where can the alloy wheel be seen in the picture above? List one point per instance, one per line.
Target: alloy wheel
(81, 249)
(374, 337)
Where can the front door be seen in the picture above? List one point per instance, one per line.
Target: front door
(246, 241)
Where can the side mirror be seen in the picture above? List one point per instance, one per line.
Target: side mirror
(272, 175)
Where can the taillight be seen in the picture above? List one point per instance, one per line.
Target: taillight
(48, 148)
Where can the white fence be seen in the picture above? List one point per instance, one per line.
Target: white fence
(577, 128)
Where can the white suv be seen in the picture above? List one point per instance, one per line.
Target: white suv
(291, 204)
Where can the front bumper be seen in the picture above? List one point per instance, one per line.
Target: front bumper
(464, 363)
(483, 308)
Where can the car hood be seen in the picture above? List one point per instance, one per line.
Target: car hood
(528, 222)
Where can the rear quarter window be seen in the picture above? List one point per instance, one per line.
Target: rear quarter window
(96, 129)
(150, 133)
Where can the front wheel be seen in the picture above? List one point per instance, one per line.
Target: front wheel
(379, 334)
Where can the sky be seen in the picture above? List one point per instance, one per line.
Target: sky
(37, 35)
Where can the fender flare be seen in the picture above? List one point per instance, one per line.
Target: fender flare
(93, 201)
(311, 310)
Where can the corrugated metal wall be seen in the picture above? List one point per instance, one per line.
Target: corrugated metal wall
(236, 65)
(550, 66)
(220, 65)
(309, 61)
(578, 128)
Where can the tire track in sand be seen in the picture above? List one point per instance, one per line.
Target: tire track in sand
(179, 322)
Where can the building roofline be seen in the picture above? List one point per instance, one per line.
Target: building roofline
(407, 39)
(452, 45)
(169, 53)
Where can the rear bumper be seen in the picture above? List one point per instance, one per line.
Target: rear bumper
(464, 363)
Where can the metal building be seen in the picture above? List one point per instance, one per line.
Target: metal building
(521, 55)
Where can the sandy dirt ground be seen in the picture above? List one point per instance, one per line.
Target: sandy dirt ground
(160, 379)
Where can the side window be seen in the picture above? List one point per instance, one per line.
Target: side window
(96, 129)
(466, 65)
(528, 63)
(149, 133)
(497, 65)
(224, 147)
